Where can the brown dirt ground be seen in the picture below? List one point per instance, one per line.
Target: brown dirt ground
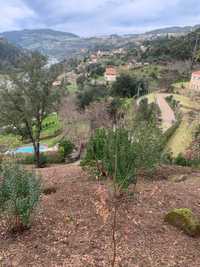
(72, 227)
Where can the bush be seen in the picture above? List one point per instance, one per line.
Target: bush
(89, 93)
(19, 194)
(185, 220)
(182, 161)
(53, 157)
(121, 153)
(129, 86)
(65, 148)
(95, 148)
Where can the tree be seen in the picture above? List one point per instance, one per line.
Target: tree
(28, 98)
(115, 110)
(129, 86)
(148, 112)
(95, 70)
(90, 93)
(118, 155)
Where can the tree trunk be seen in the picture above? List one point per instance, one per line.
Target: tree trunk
(37, 155)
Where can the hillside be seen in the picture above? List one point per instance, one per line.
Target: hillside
(174, 30)
(183, 136)
(172, 48)
(61, 45)
(52, 43)
(9, 56)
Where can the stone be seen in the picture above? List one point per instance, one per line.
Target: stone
(185, 220)
(179, 178)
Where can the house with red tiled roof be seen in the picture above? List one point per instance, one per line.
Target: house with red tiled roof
(195, 81)
(110, 74)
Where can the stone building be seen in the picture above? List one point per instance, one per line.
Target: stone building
(195, 81)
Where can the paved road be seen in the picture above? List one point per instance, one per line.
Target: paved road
(167, 114)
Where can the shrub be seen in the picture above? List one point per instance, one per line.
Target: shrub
(95, 148)
(53, 157)
(129, 86)
(182, 161)
(89, 93)
(19, 194)
(185, 220)
(121, 153)
(65, 148)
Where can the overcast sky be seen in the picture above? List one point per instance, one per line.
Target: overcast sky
(97, 17)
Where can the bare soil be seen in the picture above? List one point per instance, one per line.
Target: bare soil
(72, 226)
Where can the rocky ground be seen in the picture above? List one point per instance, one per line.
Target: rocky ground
(72, 226)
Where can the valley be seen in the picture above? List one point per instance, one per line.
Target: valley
(100, 149)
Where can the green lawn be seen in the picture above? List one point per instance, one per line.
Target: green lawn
(51, 126)
(9, 141)
(72, 88)
(183, 136)
(51, 134)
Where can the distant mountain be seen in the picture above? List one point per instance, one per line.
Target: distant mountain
(174, 30)
(61, 45)
(9, 56)
(54, 44)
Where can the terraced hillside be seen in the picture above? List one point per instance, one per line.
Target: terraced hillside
(189, 110)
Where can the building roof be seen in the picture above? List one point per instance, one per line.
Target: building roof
(111, 71)
(196, 73)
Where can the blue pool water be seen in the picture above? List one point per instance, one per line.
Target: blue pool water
(29, 149)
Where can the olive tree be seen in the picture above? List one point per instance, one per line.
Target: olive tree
(28, 97)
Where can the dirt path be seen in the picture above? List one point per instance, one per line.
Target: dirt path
(167, 114)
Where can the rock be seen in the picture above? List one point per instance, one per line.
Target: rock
(185, 220)
(179, 178)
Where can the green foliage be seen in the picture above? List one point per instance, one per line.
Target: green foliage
(121, 153)
(119, 158)
(170, 132)
(182, 161)
(46, 158)
(114, 109)
(95, 70)
(28, 98)
(149, 147)
(65, 148)
(9, 56)
(19, 194)
(95, 147)
(89, 93)
(169, 49)
(148, 112)
(129, 86)
(174, 104)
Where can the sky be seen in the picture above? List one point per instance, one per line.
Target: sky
(98, 17)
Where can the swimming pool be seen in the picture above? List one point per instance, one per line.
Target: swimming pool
(28, 149)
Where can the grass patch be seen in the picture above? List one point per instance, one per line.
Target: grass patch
(72, 88)
(183, 137)
(9, 141)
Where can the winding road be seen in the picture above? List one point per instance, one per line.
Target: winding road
(167, 113)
